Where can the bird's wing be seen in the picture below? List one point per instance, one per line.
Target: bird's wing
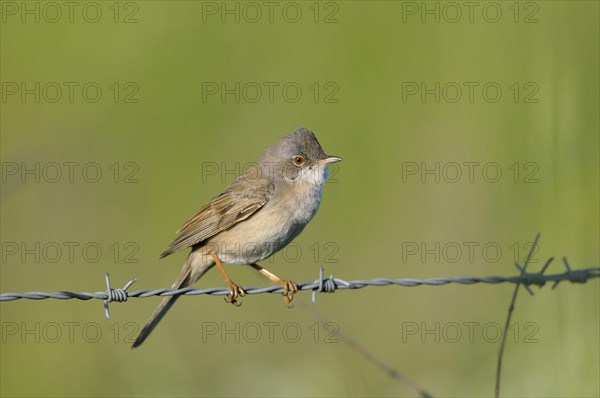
(239, 201)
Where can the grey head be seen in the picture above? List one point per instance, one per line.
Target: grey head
(296, 157)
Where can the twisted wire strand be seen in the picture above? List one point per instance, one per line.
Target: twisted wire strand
(324, 285)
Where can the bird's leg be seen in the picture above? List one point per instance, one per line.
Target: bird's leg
(236, 290)
(289, 287)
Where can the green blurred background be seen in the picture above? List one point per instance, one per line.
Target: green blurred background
(354, 62)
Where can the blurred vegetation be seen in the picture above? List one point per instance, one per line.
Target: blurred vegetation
(159, 127)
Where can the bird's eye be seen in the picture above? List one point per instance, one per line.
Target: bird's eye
(298, 160)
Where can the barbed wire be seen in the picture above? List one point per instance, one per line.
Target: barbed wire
(322, 285)
(331, 284)
(511, 307)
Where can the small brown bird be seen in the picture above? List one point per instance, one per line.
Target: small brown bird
(260, 213)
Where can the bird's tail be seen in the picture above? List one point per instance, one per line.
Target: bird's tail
(190, 273)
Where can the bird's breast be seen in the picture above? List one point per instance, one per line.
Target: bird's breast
(271, 228)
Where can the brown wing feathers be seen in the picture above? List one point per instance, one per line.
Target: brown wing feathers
(237, 203)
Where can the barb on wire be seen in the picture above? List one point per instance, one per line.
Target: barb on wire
(511, 308)
(118, 295)
(573, 276)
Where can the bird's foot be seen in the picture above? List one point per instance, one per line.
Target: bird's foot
(289, 289)
(235, 292)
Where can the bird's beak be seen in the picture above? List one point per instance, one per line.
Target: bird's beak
(330, 159)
